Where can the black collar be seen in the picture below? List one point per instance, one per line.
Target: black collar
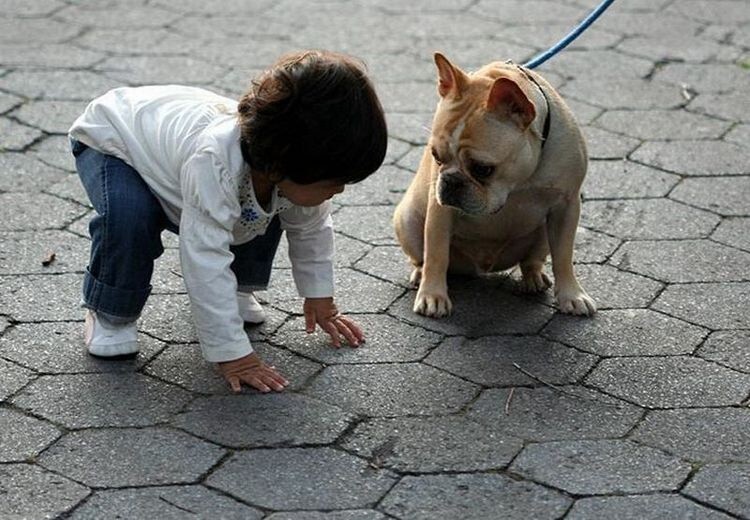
(545, 128)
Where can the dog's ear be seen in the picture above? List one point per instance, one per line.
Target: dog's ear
(451, 79)
(507, 99)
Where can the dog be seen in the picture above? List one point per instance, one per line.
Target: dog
(498, 186)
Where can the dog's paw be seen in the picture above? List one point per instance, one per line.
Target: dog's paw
(535, 282)
(416, 277)
(433, 305)
(576, 302)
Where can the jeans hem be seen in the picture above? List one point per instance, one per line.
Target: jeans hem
(118, 304)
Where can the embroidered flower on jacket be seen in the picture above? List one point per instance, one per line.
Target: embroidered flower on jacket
(249, 214)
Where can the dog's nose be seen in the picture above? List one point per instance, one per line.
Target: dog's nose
(451, 181)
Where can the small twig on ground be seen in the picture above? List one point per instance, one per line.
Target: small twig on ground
(507, 401)
(558, 389)
(47, 261)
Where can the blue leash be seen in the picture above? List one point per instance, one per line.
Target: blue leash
(572, 35)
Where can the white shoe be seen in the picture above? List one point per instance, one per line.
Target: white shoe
(250, 309)
(106, 340)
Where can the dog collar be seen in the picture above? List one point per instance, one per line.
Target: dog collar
(546, 127)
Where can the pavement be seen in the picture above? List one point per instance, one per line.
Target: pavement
(506, 410)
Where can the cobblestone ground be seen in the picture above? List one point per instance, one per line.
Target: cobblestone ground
(507, 410)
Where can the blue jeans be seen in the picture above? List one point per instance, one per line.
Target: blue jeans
(126, 239)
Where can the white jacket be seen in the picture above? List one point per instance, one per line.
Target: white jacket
(184, 142)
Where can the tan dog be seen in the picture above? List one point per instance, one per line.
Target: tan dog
(498, 186)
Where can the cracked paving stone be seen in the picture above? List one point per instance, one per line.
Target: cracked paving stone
(624, 179)
(544, 414)
(655, 125)
(55, 151)
(584, 112)
(20, 172)
(14, 378)
(432, 444)
(490, 361)
(627, 332)
(670, 382)
(53, 117)
(68, 85)
(386, 340)
(388, 390)
(352, 514)
(42, 297)
(168, 318)
(414, 128)
(602, 144)
(728, 196)
(410, 161)
(723, 12)
(31, 492)
(734, 232)
(24, 251)
(644, 219)
(371, 224)
(16, 137)
(385, 187)
(698, 435)
(386, 262)
(694, 157)
(726, 486)
(164, 503)
(31, 8)
(683, 261)
(601, 467)
(623, 93)
(131, 457)
(101, 400)
(251, 421)
(685, 47)
(8, 101)
(348, 251)
(149, 70)
(35, 211)
(396, 149)
(305, 478)
(610, 64)
(593, 247)
(70, 187)
(642, 507)
(712, 305)
(704, 78)
(23, 437)
(57, 348)
(36, 30)
(615, 289)
(728, 348)
(63, 55)
(119, 17)
(723, 105)
(472, 497)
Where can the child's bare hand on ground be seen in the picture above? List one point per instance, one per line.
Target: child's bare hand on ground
(323, 312)
(252, 371)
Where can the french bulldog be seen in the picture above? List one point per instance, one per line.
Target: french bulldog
(498, 186)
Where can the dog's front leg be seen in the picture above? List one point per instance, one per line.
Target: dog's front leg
(562, 223)
(432, 296)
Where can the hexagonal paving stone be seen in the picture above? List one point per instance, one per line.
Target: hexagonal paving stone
(700, 434)
(352, 514)
(165, 503)
(147, 70)
(25, 251)
(644, 219)
(413, 128)
(713, 305)
(27, 211)
(734, 232)
(30, 491)
(627, 93)
(55, 151)
(670, 382)
(8, 101)
(35, 30)
(102, 399)
(386, 186)
(577, 64)
(721, 12)
(371, 224)
(683, 260)
(593, 247)
(69, 187)
(285, 419)
(475, 497)
(32, 8)
(728, 196)
(642, 507)
(728, 348)
(722, 105)
(16, 137)
(601, 467)
(57, 84)
(14, 378)
(432, 444)
(628, 332)
(607, 145)
(694, 157)
(131, 457)
(21, 172)
(23, 437)
(386, 262)
(168, 318)
(662, 124)
(705, 78)
(624, 180)
(491, 360)
(726, 486)
(51, 55)
(386, 340)
(615, 289)
(348, 251)
(685, 47)
(305, 478)
(41, 297)
(740, 134)
(53, 117)
(389, 390)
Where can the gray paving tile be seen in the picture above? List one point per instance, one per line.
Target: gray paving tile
(32, 8)
(472, 496)
(432, 444)
(593, 247)
(740, 134)
(118, 16)
(15, 136)
(670, 382)
(55, 151)
(386, 262)
(643, 219)
(602, 144)
(22, 437)
(333, 479)
(131, 457)
(14, 378)
(384, 187)
(347, 251)
(165, 503)
(371, 224)
(712, 305)
(642, 507)
(728, 196)
(147, 70)
(626, 332)
(726, 486)
(615, 289)
(722, 11)
(700, 434)
(31, 492)
(414, 128)
(662, 124)
(391, 390)
(122, 41)
(684, 47)
(545, 414)
(625, 180)
(683, 261)
(100, 400)
(8, 101)
(36, 211)
(705, 78)
(20, 172)
(41, 297)
(623, 93)
(63, 55)
(53, 117)
(352, 514)
(536, 12)
(284, 419)
(386, 340)
(57, 84)
(36, 30)
(168, 318)
(25, 251)
(69, 187)
(577, 64)
(411, 160)
(724, 105)
(490, 361)
(396, 149)
(694, 157)
(584, 113)
(647, 22)
(601, 467)
(728, 348)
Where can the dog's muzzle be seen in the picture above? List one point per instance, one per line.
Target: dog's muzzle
(450, 189)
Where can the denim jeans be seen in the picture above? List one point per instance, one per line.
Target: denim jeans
(126, 239)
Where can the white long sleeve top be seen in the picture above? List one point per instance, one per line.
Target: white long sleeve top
(185, 144)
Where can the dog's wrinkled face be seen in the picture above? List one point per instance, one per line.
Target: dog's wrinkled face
(481, 142)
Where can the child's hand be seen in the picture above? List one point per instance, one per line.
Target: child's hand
(324, 312)
(252, 371)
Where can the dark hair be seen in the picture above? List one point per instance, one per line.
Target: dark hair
(313, 116)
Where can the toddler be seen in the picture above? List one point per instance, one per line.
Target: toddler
(229, 178)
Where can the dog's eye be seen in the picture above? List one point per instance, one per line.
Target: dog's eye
(436, 156)
(481, 171)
